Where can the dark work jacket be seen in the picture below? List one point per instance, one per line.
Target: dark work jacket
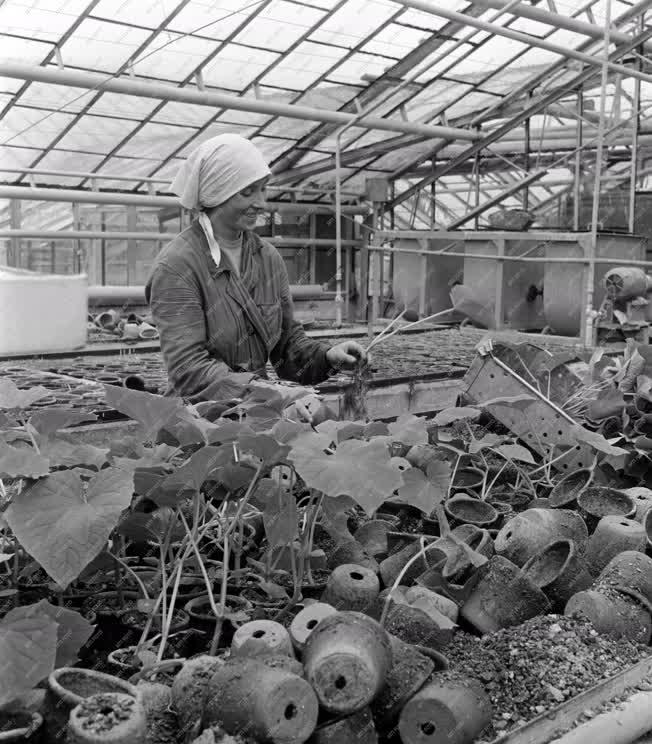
(212, 322)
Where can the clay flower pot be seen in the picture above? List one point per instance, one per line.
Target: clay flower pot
(464, 509)
(454, 711)
(425, 599)
(202, 617)
(599, 501)
(629, 570)
(20, 726)
(567, 490)
(527, 533)
(612, 613)
(190, 686)
(147, 331)
(261, 637)
(504, 596)
(468, 478)
(417, 626)
(642, 498)
(612, 536)
(409, 672)
(108, 718)
(67, 687)
(346, 660)
(350, 551)
(351, 587)
(271, 705)
(558, 571)
(306, 620)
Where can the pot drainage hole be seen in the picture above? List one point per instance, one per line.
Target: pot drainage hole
(311, 624)
(258, 633)
(290, 711)
(340, 682)
(357, 576)
(428, 728)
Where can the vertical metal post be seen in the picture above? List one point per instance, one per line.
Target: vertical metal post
(77, 249)
(588, 319)
(636, 125)
(313, 249)
(53, 257)
(526, 190)
(132, 245)
(500, 278)
(364, 271)
(14, 221)
(476, 167)
(103, 252)
(577, 174)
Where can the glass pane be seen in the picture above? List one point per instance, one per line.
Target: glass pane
(61, 97)
(127, 107)
(354, 21)
(217, 19)
(156, 141)
(67, 161)
(148, 14)
(31, 128)
(96, 45)
(236, 67)
(173, 57)
(22, 50)
(213, 130)
(279, 25)
(359, 68)
(40, 22)
(300, 68)
(395, 41)
(272, 148)
(96, 134)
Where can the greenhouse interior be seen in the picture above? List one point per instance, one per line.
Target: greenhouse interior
(325, 371)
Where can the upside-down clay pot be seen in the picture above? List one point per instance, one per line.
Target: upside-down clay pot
(358, 727)
(409, 672)
(464, 509)
(190, 686)
(612, 613)
(350, 551)
(425, 599)
(416, 626)
(346, 660)
(392, 567)
(351, 587)
(260, 637)
(306, 620)
(567, 489)
(107, 718)
(630, 570)
(373, 537)
(527, 533)
(600, 501)
(647, 526)
(559, 571)
(612, 536)
(69, 686)
(453, 711)
(20, 726)
(504, 596)
(270, 705)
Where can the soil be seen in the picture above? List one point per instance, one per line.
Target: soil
(84, 685)
(531, 668)
(102, 714)
(12, 721)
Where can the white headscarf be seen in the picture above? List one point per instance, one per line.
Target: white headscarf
(218, 169)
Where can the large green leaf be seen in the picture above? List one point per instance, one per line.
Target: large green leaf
(361, 470)
(264, 447)
(515, 452)
(52, 419)
(12, 397)
(62, 453)
(425, 491)
(154, 412)
(22, 462)
(409, 429)
(64, 523)
(72, 632)
(280, 517)
(597, 441)
(189, 478)
(28, 648)
(450, 415)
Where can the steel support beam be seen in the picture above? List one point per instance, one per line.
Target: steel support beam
(141, 89)
(146, 200)
(529, 39)
(523, 10)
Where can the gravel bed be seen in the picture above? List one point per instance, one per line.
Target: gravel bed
(534, 667)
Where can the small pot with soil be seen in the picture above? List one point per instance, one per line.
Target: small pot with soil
(67, 687)
(464, 509)
(134, 622)
(20, 726)
(566, 490)
(612, 536)
(596, 502)
(612, 613)
(203, 619)
(108, 718)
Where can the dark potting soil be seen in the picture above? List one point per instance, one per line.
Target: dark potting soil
(84, 685)
(534, 667)
(102, 714)
(11, 721)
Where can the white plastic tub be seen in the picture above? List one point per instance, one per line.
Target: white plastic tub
(41, 312)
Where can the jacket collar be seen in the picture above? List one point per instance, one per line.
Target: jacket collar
(251, 244)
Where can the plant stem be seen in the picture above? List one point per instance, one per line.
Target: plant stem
(170, 616)
(136, 577)
(222, 609)
(164, 594)
(454, 473)
(202, 567)
(397, 581)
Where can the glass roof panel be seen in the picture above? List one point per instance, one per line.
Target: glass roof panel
(328, 95)
(23, 50)
(283, 126)
(272, 147)
(148, 13)
(155, 141)
(425, 21)
(126, 107)
(175, 112)
(69, 161)
(217, 19)
(236, 67)
(10, 85)
(167, 172)
(97, 45)
(395, 40)
(303, 66)
(279, 25)
(15, 157)
(360, 67)
(173, 56)
(98, 134)
(30, 127)
(60, 97)
(47, 20)
(122, 166)
(212, 130)
(354, 21)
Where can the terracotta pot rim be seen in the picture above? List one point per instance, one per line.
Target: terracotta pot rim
(36, 721)
(70, 697)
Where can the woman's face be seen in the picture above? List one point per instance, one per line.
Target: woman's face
(241, 211)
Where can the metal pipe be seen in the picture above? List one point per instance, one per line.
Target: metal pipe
(636, 126)
(120, 235)
(577, 173)
(95, 81)
(147, 200)
(593, 243)
(522, 10)
(533, 41)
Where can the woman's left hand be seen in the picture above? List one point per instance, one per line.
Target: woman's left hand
(346, 355)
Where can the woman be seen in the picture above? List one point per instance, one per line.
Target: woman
(219, 294)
